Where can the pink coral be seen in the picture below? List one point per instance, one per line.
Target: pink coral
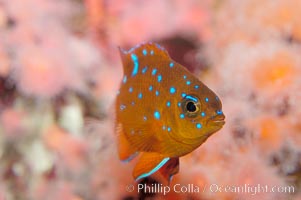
(5, 63)
(41, 76)
(68, 148)
(12, 123)
(60, 190)
(53, 52)
(40, 67)
(131, 27)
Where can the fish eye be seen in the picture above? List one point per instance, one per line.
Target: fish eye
(191, 106)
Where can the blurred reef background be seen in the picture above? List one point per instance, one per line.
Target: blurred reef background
(60, 70)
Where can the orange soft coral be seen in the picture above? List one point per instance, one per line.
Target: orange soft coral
(275, 73)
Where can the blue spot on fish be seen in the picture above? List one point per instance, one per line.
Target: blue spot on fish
(160, 47)
(140, 95)
(198, 125)
(157, 115)
(203, 114)
(183, 94)
(150, 88)
(206, 99)
(136, 64)
(159, 78)
(172, 90)
(168, 129)
(122, 107)
(144, 52)
(196, 87)
(154, 71)
(144, 70)
(219, 112)
(168, 103)
(184, 76)
(179, 104)
(188, 82)
(191, 98)
(157, 93)
(171, 64)
(124, 79)
(182, 116)
(130, 89)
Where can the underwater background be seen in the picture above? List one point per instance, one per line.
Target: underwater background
(60, 70)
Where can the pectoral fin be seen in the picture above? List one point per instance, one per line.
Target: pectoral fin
(125, 150)
(148, 164)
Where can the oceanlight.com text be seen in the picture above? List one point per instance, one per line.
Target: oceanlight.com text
(251, 189)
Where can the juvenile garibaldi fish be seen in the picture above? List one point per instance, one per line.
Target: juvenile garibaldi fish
(163, 111)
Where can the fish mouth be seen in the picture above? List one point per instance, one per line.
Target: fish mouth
(217, 120)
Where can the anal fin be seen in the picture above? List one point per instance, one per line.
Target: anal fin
(148, 164)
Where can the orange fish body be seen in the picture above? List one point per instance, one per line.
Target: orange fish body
(162, 111)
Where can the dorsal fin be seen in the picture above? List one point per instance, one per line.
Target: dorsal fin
(135, 59)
